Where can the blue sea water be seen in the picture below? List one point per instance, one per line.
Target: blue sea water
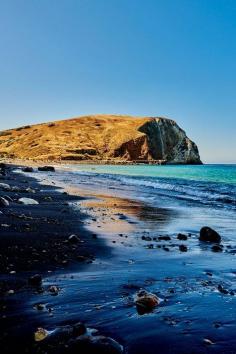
(211, 185)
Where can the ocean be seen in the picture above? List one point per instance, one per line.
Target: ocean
(210, 185)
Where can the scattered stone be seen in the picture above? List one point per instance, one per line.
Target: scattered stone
(146, 238)
(4, 202)
(208, 341)
(151, 246)
(40, 334)
(146, 302)
(182, 237)
(27, 201)
(183, 248)
(27, 169)
(54, 290)
(39, 307)
(5, 186)
(166, 249)
(73, 239)
(222, 290)
(217, 248)
(46, 168)
(164, 238)
(209, 235)
(35, 280)
(30, 190)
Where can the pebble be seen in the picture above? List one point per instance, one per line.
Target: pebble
(5, 186)
(146, 302)
(28, 201)
(54, 290)
(40, 334)
(73, 239)
(35, 280)
(4, 202)
(217, 248)
(27, 169)
(183, 248)
(182, 237)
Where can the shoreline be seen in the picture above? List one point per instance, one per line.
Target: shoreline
(44, 239)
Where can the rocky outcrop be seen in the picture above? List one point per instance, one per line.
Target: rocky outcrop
(108, 138)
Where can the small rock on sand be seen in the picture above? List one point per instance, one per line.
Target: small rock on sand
(28, 169)
(5, 186)
(40, 334)
(182, 237)
(183, 248)
(4, 202)
(146, 302)
(35, 280)
(46, 168)
(28, 201)
(217, 248)
(73, 239)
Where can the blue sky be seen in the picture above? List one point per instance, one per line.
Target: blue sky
(173, 58)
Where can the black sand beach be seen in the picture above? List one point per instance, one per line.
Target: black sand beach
(35, 240)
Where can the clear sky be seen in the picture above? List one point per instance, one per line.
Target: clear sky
(173, 58)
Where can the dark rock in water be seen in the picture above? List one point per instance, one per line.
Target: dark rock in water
(183, 248)
(54, 290)
(46, 168)
(166, 248)
(182, 237)
(164, 238)
(4, 202)
(35, 280)
(209, 235)
(146, 302)
(96, 345)
(217, 248)
(27, 169)
(222, 290)
(146, 238)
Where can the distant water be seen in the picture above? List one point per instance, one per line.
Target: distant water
(211, 185)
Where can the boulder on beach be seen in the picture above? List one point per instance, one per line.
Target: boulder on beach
(209, 235)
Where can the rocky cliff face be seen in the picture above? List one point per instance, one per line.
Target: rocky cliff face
(101, 137)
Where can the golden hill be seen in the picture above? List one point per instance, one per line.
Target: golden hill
(101, 137)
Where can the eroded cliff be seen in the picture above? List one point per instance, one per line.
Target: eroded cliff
(99, 138)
